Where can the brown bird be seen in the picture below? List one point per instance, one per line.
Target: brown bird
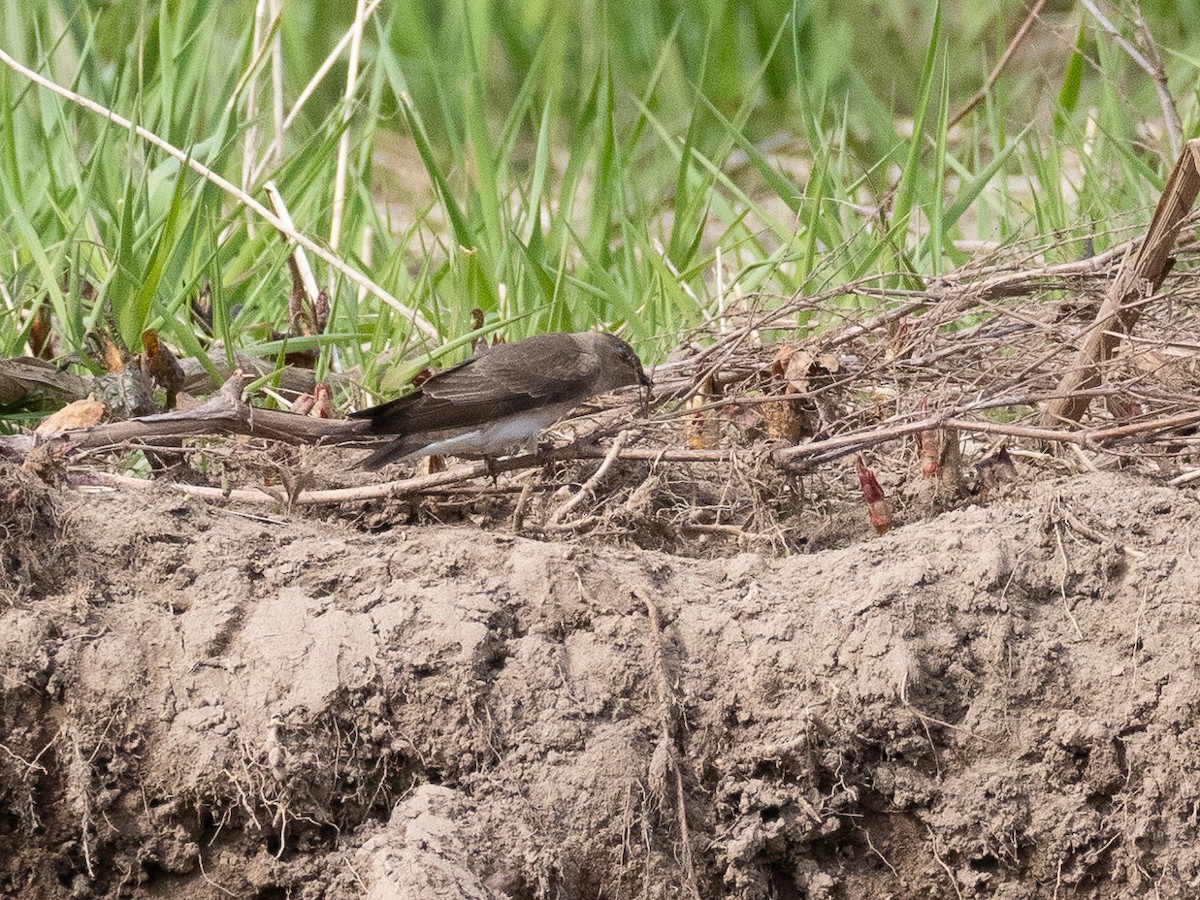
(501, 399)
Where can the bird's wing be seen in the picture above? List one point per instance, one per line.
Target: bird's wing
(507, 379)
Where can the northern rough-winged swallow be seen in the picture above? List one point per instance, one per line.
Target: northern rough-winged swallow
(498, 401)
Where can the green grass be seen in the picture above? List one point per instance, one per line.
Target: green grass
(557, 166)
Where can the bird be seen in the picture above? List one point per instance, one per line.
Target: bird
(499, 400)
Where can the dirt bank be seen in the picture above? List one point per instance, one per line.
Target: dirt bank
(197, 701)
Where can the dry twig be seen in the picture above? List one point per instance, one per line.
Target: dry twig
(994, 75)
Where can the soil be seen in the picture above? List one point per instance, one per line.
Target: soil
(999, 700)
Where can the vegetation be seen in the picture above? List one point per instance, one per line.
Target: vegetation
(649, 167)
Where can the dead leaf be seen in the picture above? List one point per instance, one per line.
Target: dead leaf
(799, 368)
(40, 333)
(80, 414)
(702, 430)
(111, 355)
(784, 420)
(162, 366)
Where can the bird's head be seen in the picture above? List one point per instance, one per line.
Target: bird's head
(619, 365)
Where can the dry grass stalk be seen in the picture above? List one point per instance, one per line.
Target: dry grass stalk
(1140, 276)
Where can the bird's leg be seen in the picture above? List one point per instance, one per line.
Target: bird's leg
(541, 451)
(493, 472)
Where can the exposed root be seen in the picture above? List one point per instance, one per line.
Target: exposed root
(588, 486)
(665, 763)
(941, 862)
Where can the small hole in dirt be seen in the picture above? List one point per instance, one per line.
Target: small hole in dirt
(152, 871)
(385, 526)
(497, 661)
(766, 768)
(1122, 761)
(770, 814)
(433, 776)
(271, 892)
(784, 884)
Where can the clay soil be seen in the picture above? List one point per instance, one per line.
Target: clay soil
(199, 700)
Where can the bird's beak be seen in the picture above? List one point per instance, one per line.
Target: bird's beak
(644, 387)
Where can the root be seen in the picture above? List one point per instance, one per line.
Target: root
(588, 486)
(666, 755)
(941, 862)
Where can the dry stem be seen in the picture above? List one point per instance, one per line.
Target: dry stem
(1007, 55)
(343, 154)
(1140, 276)
(1151, 65)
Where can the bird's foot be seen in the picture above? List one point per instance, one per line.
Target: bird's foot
(543, 452)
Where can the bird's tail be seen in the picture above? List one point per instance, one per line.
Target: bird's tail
(380, 458)
(388, 418)
(394, 450)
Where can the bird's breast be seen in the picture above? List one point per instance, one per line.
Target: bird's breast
(501, 436)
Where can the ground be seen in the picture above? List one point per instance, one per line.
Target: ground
(201, 700)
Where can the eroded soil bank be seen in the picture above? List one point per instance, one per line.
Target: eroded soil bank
(1000, 701)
